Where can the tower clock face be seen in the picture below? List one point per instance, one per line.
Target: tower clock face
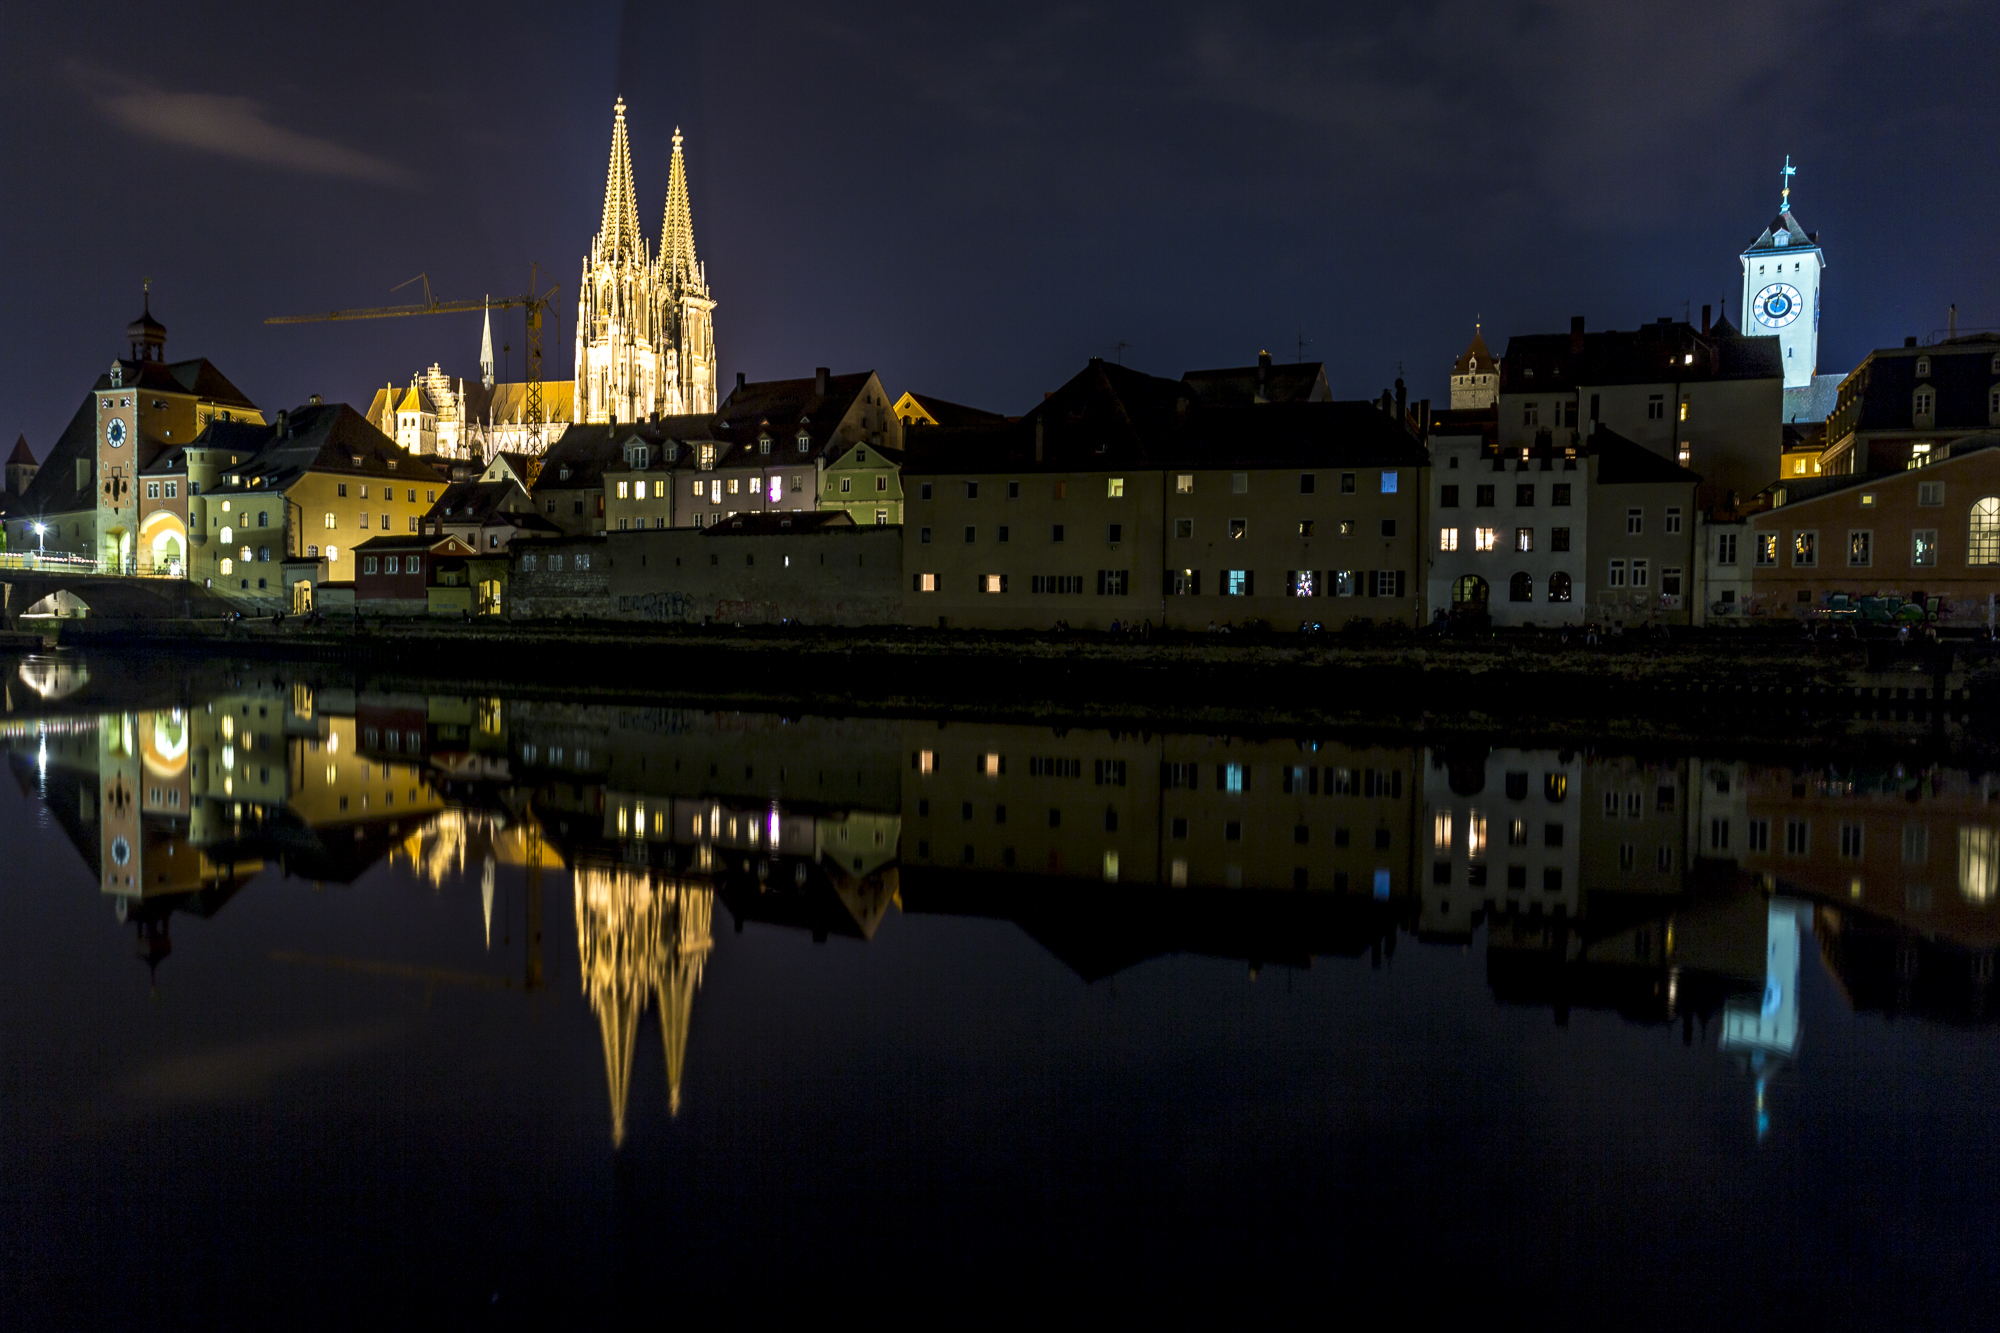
(114, 433)
(1778, 305)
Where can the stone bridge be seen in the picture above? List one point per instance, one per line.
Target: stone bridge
(39, 598)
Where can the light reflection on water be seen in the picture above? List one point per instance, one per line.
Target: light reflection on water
(596, 853)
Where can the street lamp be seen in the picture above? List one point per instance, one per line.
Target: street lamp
(41, 530)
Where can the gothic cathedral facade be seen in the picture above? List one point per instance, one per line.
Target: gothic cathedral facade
(645, 329)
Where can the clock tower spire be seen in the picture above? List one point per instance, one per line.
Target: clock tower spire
(1781, 288)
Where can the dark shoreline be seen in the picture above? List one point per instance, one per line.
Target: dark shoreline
(1769, 693)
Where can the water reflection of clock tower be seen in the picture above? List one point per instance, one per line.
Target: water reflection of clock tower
(1781, 289)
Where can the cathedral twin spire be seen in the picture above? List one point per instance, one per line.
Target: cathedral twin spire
(645, 339)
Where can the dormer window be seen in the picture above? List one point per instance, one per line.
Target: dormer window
(805, 442)
(563, 473)
(1996, 363)
(1925, 402)
(763, 444)
(860, 455)
(637, 456)
(1923, 367)
(673, 451)
(704, 457)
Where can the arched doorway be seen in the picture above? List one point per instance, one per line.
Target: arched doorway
(163, 545)
(1470, 591)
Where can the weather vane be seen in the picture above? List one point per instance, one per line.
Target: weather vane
(1785, 176)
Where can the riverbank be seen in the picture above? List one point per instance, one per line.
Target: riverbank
(1684, 688)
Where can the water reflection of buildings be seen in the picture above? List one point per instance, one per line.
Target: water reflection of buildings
(1640, 886)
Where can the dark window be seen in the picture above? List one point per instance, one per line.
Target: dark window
(1232, 830)
(1301, 834)
(1381, 840)
(1517, 786)
(972, 490)
(1056, 532)
(923, 536)
(1521, 588)
(1475, 876)
(1110, 820)
(1524, 496)
(1561, 493)
(1178, 827)
(1347, 483)
(1440, 872)
(1388, 527)
(1517, 877)
(999, 814)
(1448, 497)
(1552, 880)
(1552, 835)
(1055, 817)
(969, 534)
(924, 491)
(1340, 837)
(1305, 483)
(1558, 539)
(1013, 490)
(1114, 532)
(1482, 497)
(1001, 535)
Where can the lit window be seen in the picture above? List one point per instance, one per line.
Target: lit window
(227, 565)
(1923, 546)
(1114, 488)
(1389, 483)
(1524, 539)
(1983, 532)
(1767, 548)
(622, 487)
(1867, 499)
(1483, 538)
(1441, 831)
(1302, 583)
(1184, 484)
(991, 765)
(1805, 548)
(993, 583)
(1860, 548)
(1447, 539)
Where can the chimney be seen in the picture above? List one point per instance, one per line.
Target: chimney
(284, 420)
(739, 381)
(1576, 335)
(1910, 341)
(1423, 419)
(819, 380)
(1951, 321)
(1402, 402)
(1704, 321)
(1038, 437)
(1263, 377)
(314, 399)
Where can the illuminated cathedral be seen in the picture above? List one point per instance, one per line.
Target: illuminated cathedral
(645, 338)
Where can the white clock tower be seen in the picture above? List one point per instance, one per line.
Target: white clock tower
(1781, 276)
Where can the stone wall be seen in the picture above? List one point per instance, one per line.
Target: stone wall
(837, 576)
(556, 578)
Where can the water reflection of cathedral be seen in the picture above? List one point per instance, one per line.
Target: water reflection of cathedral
(1641, 886)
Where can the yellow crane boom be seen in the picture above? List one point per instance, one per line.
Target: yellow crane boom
(431, 305)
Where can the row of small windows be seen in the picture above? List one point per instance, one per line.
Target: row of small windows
(1239, 484)
(409, 564)
(1188, 583)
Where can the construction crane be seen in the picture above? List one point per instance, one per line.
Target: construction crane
(535, 304)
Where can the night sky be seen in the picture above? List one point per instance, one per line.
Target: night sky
(972, 203)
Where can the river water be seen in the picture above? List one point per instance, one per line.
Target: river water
(328, 1003)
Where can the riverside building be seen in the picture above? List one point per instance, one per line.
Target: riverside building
(1127, 498)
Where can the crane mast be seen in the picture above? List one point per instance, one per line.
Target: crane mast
(534, 303)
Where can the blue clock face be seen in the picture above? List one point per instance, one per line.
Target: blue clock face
(1778, 305)
(114, 433)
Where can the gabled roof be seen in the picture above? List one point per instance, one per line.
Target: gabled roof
(319, 437)
(928, 409)
(412, 541)
(471, 502)
(1294, 382)
(1810, 404)
(54, 489)
(1666, 351)
(197, 378)
(21, 454)
(787, 405)
(779, 522)
(1109, 417)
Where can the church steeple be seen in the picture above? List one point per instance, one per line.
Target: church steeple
(618, 235)
(486, 350)
(678, 269)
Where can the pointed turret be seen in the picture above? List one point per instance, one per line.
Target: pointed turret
(618, 236)
(21, 467)
(1475, 376)
(486, 351)
(678, 269)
